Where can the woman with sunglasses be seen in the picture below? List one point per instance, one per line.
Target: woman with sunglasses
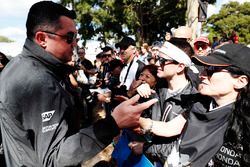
(217, 128)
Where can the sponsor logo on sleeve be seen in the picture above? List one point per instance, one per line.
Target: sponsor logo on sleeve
(46, 116)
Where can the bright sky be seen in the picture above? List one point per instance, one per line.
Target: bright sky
(14, 13)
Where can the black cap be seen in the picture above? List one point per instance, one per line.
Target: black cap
(107, 48)
(125, 43)
(237, 55)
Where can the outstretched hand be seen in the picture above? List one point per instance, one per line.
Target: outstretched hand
(127, 113)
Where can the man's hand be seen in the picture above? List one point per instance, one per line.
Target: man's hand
(127, 114)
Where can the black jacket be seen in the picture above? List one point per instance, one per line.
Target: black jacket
(37, 114)
(204, 132)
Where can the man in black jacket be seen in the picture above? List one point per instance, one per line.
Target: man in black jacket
(37, 113)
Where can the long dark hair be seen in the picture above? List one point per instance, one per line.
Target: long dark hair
(238, 131)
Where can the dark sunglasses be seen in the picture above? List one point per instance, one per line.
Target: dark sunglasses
(81, 53)
(69, 37)
(106, 55)
(210, 70)
(202, 46)
(163, 61)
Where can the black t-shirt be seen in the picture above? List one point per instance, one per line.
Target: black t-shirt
(227, 156)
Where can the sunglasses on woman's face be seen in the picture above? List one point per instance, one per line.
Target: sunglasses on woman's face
(210, 70)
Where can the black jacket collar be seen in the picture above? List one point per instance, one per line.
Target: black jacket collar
(33, 50)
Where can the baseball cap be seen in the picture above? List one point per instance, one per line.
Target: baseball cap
(125, 43)
(237, 55)
(202, 39)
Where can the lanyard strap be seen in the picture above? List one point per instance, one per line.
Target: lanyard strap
(128, 71)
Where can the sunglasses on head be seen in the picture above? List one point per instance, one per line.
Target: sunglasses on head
(69, 37)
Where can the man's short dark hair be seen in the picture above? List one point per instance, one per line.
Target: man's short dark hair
(107, 48)
(44, 16)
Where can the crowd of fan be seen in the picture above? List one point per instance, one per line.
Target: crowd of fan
(114, 77)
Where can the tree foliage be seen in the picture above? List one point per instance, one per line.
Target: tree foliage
(232, 16)
(5, 39)
(148, 20)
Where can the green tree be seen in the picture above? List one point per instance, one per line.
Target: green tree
(148, 20)
(5, 39)
(232, 16)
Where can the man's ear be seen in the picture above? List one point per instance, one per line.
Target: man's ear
(181, 67)
(40, 39)
(241, 82)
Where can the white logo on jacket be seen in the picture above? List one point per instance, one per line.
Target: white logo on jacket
(46, 116)
(49, 128)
